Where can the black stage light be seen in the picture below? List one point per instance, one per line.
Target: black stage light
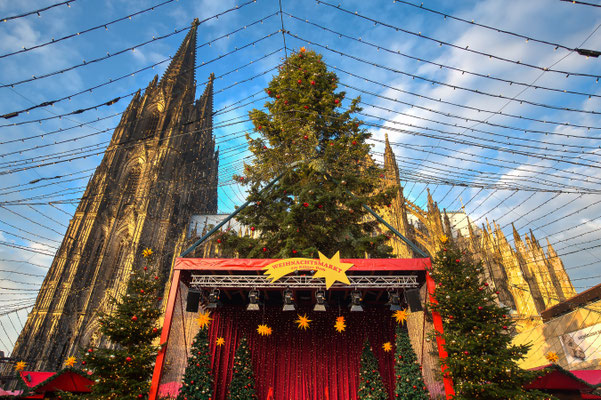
(320, 297)
(394, 301)
(214, 299)
(288, 301)
(192, 300)
(253, 300)
(412, 296)
(356, 301)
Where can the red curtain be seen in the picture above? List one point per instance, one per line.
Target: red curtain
(315, 364)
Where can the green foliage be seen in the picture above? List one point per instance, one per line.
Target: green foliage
(198, 379)
(124, 370)
(482, 362)
(409, 381)
(306, 212)
(242, 386)
(370, 382)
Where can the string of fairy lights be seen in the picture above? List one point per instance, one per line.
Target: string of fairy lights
(536, 161)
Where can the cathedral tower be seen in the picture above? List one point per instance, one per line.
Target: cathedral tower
(159, 169)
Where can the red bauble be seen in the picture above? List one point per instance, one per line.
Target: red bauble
(504, 316)
(466, 352)
(252, 228)
(145, 268)
(505, 327)
(128, 359)
(142, 291)
(218, 240)
(336, 101)
(277, 96)
(485, 284)
(156, 278)
(306, 107)
(90, 350)
(312, 82)
(140, 396)
(305, 204)
(259, 127)
(479, 307)
(285, 101)
(83, 363)
(299, 81)
(319, 206)
(305, 137)
(268, 91)
(134, 318)
(264, 248)
(457, 260)
(197, 364)
(293, 251)
(354, 142)
(497, 292)
(414, 387)
(154, 330)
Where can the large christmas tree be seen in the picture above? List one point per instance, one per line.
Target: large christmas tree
(481, 362)
(409, 381)
(198, 379)
(310, 208)
(242, 386)
(370, 382)
(124, 370)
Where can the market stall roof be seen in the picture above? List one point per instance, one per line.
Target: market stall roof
(556, 378)
(592, 376)
(67, 380)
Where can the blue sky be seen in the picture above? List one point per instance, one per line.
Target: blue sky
(525, 160)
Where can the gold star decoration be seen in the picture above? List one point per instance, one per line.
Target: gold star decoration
(303, 321)
(70, 361)
(340, 325)
(387, 346)
(443, 238)
(147, 252)
(20, 366)
(302, 49)
(552, 357)
(335, 272)
(204, 319)
(400, 316)
(220, 341)
(264, 330)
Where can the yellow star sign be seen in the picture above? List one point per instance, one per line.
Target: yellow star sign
(264, 330)
(333, 270)
(387, 346)
(147, 252)
(220, 341)
(204, 319)
(340, 326)
(70, 361)
(444, 238)
(552, 357)
(303, 321)
(20, 366)
(400, 316)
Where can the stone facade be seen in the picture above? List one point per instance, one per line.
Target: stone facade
(159, 169)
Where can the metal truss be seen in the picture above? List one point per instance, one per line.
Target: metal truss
(308, 282)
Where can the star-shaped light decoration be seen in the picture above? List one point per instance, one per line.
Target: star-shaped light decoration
(387, 346)
(443, 238)
(20, 366)
(335, 271)
(303, 321)
(400, 316)
(204, 319)
(147, 252)
(552, 357)
(302, 49)
(340, 325)
(264, 330)
(220, 341)
(70, 361)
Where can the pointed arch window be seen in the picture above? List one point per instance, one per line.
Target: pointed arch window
(132, 182)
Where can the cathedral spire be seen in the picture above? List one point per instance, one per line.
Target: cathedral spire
(179, 75)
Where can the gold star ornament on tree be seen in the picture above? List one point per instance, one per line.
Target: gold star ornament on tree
(400, 316)
(552, 357)
(147, 252)
(264, 330)
(340, 325)
(70, 362)
(387, 346)
(20, 366)
(443, 239)
(220, 341)
(303, 321)
(204, 319)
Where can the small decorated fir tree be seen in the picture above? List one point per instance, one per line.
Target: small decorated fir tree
(409, 381)
(481, 362)
(198, 379)
(307, 211)
(242, 386)
(370, 382)
(124, 370)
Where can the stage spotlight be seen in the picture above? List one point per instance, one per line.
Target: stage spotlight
(214, 299)
(394, 301)
(321, 304)
(288, 301)
(253, 300)
(356, 301)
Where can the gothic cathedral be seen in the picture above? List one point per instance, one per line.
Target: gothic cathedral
(159, 169)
